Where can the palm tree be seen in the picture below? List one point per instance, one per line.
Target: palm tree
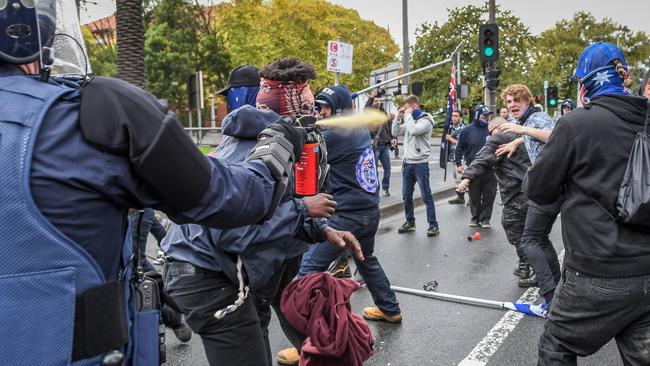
(130, 41)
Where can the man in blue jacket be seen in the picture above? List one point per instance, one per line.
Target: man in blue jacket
(211, 271)
(483, 189)
(75, 156)
(355, 186)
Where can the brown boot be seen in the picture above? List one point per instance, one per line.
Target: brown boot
(288, 356)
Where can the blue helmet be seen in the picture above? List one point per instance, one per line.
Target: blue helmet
(568, 103)
(26, 26)
(596, 57)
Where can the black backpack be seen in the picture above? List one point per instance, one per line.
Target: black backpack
(633, 203)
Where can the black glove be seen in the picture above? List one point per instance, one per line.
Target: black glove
(295, 135)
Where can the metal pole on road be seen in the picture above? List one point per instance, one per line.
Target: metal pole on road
(453, 298)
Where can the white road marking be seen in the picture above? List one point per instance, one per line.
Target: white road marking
(481, 354)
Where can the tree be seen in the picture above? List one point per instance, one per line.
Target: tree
(302, 29)
(101, 48)
(557, 49)
(130, 41)
(182, 38)
(435, 42)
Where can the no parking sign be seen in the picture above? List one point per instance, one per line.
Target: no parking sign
(339, 57)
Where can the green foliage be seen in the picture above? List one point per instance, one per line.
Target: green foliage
(557, 50)
(102, 56)
(435, 42)
(257, 33)
(181, 38)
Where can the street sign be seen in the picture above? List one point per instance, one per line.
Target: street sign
(339, 57)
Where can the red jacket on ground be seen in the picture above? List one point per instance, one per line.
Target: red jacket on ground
(318, 305)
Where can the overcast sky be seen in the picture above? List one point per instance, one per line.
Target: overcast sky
(537, 14)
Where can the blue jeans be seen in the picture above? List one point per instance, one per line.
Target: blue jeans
(363, 226)
(382, 154)
(412, 173)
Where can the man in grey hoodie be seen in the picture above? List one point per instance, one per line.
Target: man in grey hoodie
(416, 126)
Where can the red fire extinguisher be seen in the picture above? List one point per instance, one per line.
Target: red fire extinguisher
(306, 169)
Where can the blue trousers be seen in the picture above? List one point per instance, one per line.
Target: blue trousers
(364, 227)
(417, 173)
(382, 154)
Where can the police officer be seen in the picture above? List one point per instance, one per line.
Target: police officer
(75, 155)
(567, 106)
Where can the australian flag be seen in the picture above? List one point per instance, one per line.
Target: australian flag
(451, 106)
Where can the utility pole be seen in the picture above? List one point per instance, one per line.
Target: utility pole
(491, 92)
(406, 59)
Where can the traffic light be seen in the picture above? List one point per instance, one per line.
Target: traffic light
(488, 42)
(552, 96)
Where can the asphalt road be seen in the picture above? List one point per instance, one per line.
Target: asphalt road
(436, 332)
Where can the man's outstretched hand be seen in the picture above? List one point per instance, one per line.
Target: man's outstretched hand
(319, 206)
(344, 239)
(510, 148)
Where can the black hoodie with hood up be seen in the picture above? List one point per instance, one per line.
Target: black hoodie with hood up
(587, 155)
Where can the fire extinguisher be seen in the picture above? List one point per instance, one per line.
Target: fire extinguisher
(311, 170)
(306, 169)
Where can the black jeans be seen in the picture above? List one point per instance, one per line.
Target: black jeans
(236, 339)
(587, 312)
(538, 247)
(270, 296)
(513, 220)
(482, 192)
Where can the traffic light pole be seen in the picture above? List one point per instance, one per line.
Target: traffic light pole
(491, 91)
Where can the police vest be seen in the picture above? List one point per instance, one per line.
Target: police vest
(55, 302)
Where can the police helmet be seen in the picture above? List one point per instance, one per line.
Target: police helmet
(30, 27)
(568, 103)
(26, 26)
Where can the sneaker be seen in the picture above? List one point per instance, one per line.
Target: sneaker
(528, 282)
(522, 270)
(433, 231)
(373, 313)
(474, 223)
(459, 200)
(485, 225)
(288, 356)
(386, 192)
(342, 270)
(183, 333)
(407, 227)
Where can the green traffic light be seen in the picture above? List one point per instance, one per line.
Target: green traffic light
(552, 102)
(488, 51)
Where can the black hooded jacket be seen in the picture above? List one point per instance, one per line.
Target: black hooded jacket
(509, 172)
(587, 154)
